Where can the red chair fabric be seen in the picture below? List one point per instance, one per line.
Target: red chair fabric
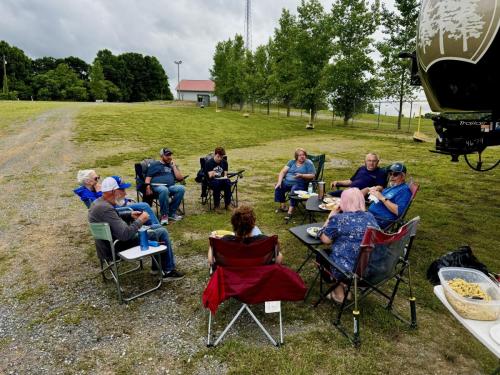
(243, 272)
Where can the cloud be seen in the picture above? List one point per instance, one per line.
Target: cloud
(186, 30)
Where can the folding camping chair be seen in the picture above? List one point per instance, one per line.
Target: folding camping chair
(206, 191)
(141, 170)
(382, 257)
(110, 262)
(248, 273)
(319, 165)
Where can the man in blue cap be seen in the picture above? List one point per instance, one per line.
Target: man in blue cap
(103, 211)
(392, 201)
(161, 178)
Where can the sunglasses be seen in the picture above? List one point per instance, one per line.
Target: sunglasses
(97, 178)
(395, 174)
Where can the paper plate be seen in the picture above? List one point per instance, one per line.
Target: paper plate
(222, 233)
(495, 333)
(313, 231)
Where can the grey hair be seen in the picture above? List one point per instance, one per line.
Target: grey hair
(84, 175)
(373, 154)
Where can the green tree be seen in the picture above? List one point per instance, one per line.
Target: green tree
(80, 67)
(400, 28)
(351, 73)
(313, 50)
(18, 71)
(97, 81)
(61, 83)
(228, 71)
(284, 61)
(261, 80)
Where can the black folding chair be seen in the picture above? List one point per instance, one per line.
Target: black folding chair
(382, 257)
(141, 170)
(206, 191)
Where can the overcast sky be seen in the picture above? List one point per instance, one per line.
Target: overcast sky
(186, 30)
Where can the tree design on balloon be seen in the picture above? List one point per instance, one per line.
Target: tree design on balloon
(458, 19)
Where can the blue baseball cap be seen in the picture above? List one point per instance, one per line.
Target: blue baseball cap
(397, 167)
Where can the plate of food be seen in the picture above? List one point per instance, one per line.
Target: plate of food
(328, 200)
(313, 231)
(328, 206)
(221, 233)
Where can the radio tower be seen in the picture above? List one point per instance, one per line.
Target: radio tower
(248, 25)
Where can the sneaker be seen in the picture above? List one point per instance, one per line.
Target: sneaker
(175, 217)
(173, 275)
(164, 220)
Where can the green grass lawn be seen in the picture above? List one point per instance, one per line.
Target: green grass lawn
(457, 206)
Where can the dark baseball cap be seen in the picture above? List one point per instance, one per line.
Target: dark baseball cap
(166, 151)
(397, 167)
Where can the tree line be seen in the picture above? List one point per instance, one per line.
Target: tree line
(320, 59)
(129, 77)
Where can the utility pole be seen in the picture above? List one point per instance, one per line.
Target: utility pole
(5, 89)
(178, 63)
(248, 25)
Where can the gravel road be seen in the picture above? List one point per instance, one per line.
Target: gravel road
(55, 314)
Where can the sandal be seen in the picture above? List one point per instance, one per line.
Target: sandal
(333, 297)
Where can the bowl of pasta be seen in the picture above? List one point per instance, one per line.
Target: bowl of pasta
(471, 293)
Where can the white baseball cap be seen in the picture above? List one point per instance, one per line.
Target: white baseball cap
(113, 183)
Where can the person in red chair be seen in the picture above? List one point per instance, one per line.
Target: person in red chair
(344, 230)
(243, 221)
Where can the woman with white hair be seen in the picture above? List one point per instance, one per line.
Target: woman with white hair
(90, 190)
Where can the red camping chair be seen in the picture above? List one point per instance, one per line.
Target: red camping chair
(248, 273)
(382, 257)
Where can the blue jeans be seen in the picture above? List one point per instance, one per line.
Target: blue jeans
(158, 233)
(280, 192)
(164, 193)
(141, 206)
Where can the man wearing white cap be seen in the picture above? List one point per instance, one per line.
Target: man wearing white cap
(103, 211)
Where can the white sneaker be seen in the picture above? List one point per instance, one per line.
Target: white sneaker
(175, 217)
(164, 220)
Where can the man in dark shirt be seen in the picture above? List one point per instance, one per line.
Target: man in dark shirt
(103, 211)
(216, 172)
(162, 175)
(366, 177)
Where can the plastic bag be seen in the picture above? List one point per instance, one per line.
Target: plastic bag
(462, 257)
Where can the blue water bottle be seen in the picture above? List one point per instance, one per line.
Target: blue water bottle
(143, 239)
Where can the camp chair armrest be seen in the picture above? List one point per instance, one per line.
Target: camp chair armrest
(239, 173)
(347, 274)
(183, 179)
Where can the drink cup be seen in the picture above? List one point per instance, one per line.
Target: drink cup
(321, 190)
(143, 239)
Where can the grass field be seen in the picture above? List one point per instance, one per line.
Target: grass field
(166, 330)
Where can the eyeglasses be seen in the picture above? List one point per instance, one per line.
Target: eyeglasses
(395, 174)
(97, 178)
